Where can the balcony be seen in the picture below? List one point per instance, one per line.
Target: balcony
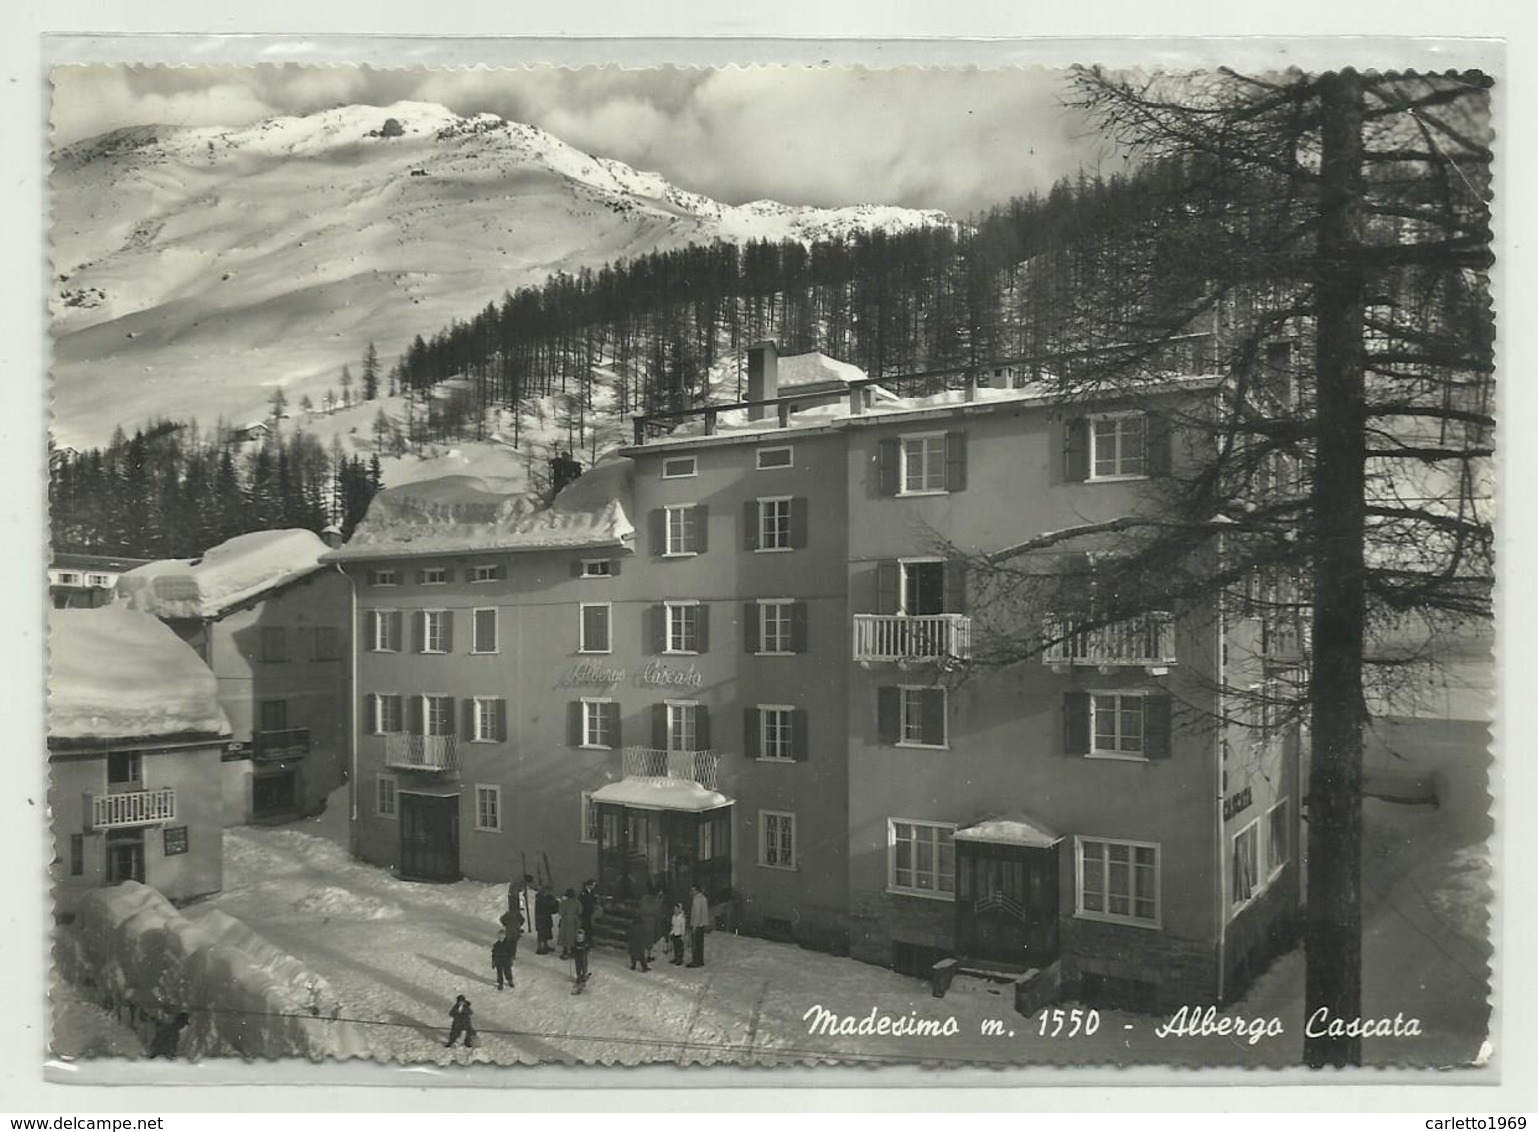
(690, 766)
(141, 807)
(902, 639)
(421, 752)
(1142, 642)
(276, 746)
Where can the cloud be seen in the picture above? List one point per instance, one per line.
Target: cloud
(959, 139)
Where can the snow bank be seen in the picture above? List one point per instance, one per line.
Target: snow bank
(661, 794)
(118, 674)
(461, 513)
(1011, 829)
(243, 995)
(231, 573)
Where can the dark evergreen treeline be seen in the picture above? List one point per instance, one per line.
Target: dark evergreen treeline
(171, 491)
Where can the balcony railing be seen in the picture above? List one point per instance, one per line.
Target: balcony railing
(272, 746)
(692, 766)
(894, 638)
(1147, 641)
(142, 807)
(404, 751)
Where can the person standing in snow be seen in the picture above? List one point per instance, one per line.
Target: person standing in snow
(651, 919)
(579, 950)
(571, 920)
(637, 940)
(545, 908)
(589, 904)
(502, 960)
(460, 1022)
(680, 928)
(699, 924)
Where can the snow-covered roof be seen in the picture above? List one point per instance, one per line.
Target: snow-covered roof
(661, 794)
(813, 368)
(233, 572)
(115, 673)
(455, 514)
(1011, 829)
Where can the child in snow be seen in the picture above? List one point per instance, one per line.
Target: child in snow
(579, 950)
(459, 1023)
(680, 928)
(502, 960)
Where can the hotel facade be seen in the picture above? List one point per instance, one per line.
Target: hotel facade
(739, 655)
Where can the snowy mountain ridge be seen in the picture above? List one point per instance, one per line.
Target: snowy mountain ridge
(197, 268)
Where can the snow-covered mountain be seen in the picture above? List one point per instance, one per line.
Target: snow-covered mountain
(197, 268)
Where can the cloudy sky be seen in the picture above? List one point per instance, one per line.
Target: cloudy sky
(957, 140)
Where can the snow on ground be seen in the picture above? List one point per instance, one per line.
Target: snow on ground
(82, 1028)
(228, 574)
(116, 673)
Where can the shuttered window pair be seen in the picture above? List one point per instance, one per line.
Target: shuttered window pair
(771, 731)
(774, 627)
(1116, 446)
(774, 523)
(684, 627)
(679, 530)
(1124, 724)
(911, 716)
(382, 630)
(925, 463)
(435, 631)
(595, 723)
(920, 587)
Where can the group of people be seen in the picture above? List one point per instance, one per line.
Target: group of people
(568, 922)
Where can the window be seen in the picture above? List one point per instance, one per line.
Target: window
(587, 829)
(488, 809)
(1117, 724)
(384, 577)
(384, 630)
(679, 467)
(683, 725)
(923, 464)
(490, 716)
(433, 576)
(921, 858)
(96, 580)
(123, 768)
(387, 714)
(921, 717)
(597, 568)
(274, 715)
(1118, 881)
(1278, 839)
(682, 631)
(69, 578)
(594, 628)
(923, 584)
(682, 530)
(76, 854)
(436, 627)
(327, 642)
(384, 795)
(274, 644)
(774, 524)
(174, 840)
(777, 840)
(770, 458)
(483, 631)
(774, 627)
(774, 731)
(1118, 446)
(437, 715)
(486, 572)
(597, 728)
(1246, 865)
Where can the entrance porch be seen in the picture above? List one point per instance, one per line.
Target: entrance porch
(1007, 893)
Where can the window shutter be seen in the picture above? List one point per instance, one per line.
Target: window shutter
(611, 709)
(800, 744)
(701, 727)
(702, 628)
(467, 724)
(574, 734)
(750, 525)
(1076, 450)
(370, 714)
(955, 461)
(415, 718)
(955, 583)
(1156, 727)
(798, 626)
(658, 531)
(614, 566)
(1076, 723)
(886, 588)
(449, 715)
(1157, 438)
(371, 630)
(750, 627)
(798, 522)
(751, 747)
(501, 732)
(576, 567)
(888, 461)
(888, 714)
(421, 577)
(419, 630)
(932, 715)
(701, 515)
(448, 630)
(448, 574)
(395, 628)
(660, 726)
(654, 628)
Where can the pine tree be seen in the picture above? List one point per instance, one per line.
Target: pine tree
(346, 387)
(371, 373)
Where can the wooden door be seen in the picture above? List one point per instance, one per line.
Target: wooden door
(429, 837)
(1006, 904)
(125, 856)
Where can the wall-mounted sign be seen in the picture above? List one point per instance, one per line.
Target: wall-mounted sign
(1237, 803)
(656, 674)
(659, 675)
(590, 675)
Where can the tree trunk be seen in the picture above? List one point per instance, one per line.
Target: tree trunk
(1333, 937)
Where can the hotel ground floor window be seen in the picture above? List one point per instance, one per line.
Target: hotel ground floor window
(776, 839)
(1246, 864)
(384, 795)
(1278, 838)
(1118, 881)
(921, 858)
(125, 855)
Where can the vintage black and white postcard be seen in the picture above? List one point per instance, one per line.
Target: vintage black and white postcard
(965, 566)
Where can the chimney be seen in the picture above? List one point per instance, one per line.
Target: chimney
(331, 535)
(563, 470)
(763, 377)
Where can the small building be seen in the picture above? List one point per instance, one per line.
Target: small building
(271, 622)
(84, 581)
(135, 734)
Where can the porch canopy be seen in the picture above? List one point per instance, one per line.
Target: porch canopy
(1010, 829)
(680, 794)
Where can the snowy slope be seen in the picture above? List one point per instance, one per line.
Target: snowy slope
(197, 268)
